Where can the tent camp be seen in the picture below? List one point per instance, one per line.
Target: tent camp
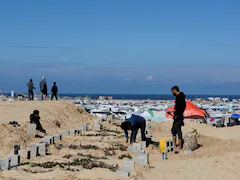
(191, 111)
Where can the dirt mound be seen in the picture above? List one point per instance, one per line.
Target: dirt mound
(64, 112)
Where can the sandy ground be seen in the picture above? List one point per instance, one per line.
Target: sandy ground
(217, 159)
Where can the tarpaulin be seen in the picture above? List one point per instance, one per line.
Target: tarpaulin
(191, 111)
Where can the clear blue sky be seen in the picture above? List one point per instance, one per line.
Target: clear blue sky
(121, 46)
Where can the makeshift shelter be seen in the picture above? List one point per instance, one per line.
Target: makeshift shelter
(191, 111)
(147, 114)
(156, 116)
(236, 116)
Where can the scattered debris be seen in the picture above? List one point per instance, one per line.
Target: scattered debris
(100, 134)
(57, 123)
(14, 123)
(59, 146)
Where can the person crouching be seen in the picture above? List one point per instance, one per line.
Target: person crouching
(35, 119)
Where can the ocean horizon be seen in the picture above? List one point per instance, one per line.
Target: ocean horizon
(141, 96)
(149, 96)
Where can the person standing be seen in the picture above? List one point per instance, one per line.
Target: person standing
(43, 88)
(30, 89)
(54, 91)
(180, 106)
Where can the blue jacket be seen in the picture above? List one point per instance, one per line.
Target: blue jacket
(137, 122)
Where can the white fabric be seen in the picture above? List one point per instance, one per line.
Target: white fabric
(129, 115)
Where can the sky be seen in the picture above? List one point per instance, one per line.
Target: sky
(121, 46)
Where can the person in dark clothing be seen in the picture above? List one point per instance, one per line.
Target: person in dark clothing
(180, 106)
(134, 123)
(30, 89)
(35, 119)
(54, 91)
(43, 88)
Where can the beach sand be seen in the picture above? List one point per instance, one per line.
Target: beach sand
(217, 159)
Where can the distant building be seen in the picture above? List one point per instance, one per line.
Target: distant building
(101, 98)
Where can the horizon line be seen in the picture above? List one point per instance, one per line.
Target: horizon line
(107, 94)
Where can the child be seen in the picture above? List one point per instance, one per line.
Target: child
(54, 91)
(35, 119)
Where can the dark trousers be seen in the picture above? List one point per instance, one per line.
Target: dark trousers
(54, 95)
(30, 94)
(135, 131)
(177, 126)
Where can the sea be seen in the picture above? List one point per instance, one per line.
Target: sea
(148, 96)
(142, 96)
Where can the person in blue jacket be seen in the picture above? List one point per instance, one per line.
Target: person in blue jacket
(134, 123)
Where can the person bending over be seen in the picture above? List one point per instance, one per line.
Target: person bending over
(180, 106)
(35, 119)
(134, 123)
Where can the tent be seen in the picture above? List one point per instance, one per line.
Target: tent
(148, 114)
(236, 116)
(156, 116)
(191, 111)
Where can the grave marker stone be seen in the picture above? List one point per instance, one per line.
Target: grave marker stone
(4, 163)
(31, 129)
(14, 160)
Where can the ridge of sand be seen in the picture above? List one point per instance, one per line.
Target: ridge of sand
(65, 112)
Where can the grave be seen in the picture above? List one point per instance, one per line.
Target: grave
(87, 127)
(96, 125)
(79, 132)
(123, 174)
(49, 140)
(31, 129)
(128, 166)
(132, 149)
(64, 132)
(14, 160)
(140, 153)
(142, 159)
(4, 163)
(33, 150)
(57, 138)
(42, 149)
(25, 154)
(73, 132)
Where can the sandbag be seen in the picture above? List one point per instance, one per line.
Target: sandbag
(190, 142)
